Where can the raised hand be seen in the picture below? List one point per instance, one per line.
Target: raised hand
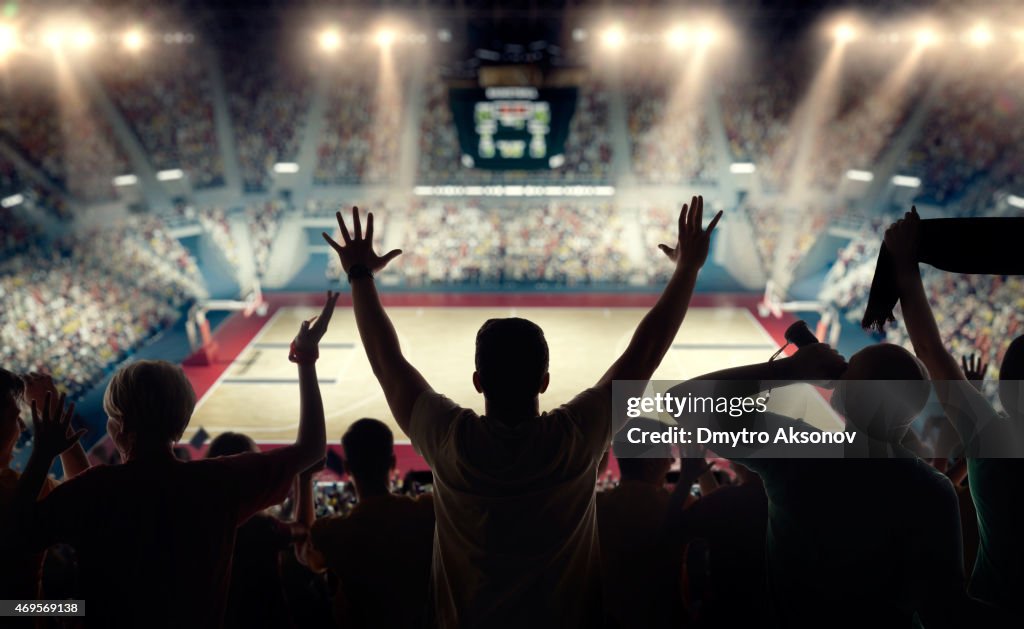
(691, 249)
(974, 369)
(818, 361)
(51, 427)
(310, 332)
(901, 238)
(357, 249)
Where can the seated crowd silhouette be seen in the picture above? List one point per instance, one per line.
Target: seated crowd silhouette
(515, 532)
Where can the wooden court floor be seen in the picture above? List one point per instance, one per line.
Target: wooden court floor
(258, 393)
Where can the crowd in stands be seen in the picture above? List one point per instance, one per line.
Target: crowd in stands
(214, 222)
(756, 111)
(362, 128)
(269, 100)
(971, 129)
(78, 306)
(91, 153)
(30, 117)
(264, 220)
(873, 104)
(668, 129)
(168, 101)
(555, 242)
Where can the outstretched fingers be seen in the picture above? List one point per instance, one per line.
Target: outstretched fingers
(369, 227)
(357, 225)
(389, 256)
(334, 245)
(344, 230)
(714, 222)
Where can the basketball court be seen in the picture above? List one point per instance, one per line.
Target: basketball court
(251, 387)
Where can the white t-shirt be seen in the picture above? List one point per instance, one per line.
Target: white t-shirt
(516, 542)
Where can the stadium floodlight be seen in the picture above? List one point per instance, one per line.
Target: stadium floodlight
(844, 32)
(8, 40)
(286, 167)
(83, 38)
(980, 36)
(11, 201)
(707, 36)
(906, 181)
(53, 38)
(172, 174)
(1015, 201)
(742, 168)
(677, 38)
(125, 180)
(613, 38)
(133, 40)
(859, 175)
(329, 40)
(384, 37)
(926, 37)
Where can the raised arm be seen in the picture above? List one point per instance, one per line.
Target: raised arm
(654, 335)
(401, 382)
(968, 411)
(311, 440)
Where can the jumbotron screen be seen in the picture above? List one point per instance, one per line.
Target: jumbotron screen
(513, 128)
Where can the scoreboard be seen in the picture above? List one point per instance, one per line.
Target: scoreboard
(512, 128)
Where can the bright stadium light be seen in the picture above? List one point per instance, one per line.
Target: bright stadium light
(707, 36)
(8, 40)
(329, 40)
(133, 40)
(613, 38)
(53, 38)
(742, 168)
(286, 167)
(11, 201)
(83, 38)
(926, 37)
(980, 36)
(906, 181)
(172, 174)
(125, 180)
(677, 37)
(384, 37)
(844, 32)
(1015, 201)
(859, 175)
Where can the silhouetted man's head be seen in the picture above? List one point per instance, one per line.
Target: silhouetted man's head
(511, 361)
(882, 391)
(1011, 376)
(230, 443)
(12, 390)
(369, 451)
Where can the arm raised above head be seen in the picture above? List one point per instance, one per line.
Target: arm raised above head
(401, 382)
(655, 333)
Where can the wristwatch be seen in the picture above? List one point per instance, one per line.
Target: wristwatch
(358, 271)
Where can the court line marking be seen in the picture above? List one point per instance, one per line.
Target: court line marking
(757, 324)
(224, 375)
